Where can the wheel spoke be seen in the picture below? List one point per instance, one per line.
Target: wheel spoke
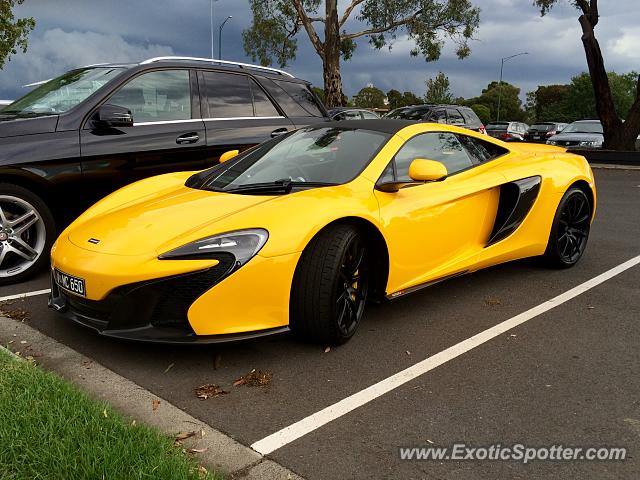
(3, 254)
(22, 223)
(3, 218)
(26, 251)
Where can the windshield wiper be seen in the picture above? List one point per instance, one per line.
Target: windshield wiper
(279, 186)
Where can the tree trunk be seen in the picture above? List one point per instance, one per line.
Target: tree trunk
(618, 135)
(331, 62)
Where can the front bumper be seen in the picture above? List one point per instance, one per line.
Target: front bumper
(151, 311)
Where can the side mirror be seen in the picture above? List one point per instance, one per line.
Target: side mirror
(226, 156)
(113, 116)
(422, 170)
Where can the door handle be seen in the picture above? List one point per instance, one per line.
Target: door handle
(187, 138)
(278, 132)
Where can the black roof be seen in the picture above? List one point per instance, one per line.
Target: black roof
(384, 125)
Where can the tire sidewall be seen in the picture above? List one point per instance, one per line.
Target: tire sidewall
(553, 254)
(50, 230)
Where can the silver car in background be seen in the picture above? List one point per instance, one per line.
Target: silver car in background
(581, 134)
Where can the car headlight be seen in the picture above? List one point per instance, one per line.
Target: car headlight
(552, 142)
(591, 144)
(242, 244)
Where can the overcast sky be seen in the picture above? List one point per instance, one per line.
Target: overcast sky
(72, 33)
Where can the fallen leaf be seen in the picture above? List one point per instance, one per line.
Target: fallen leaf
(155, 404)
(255, 378)
(493, 302)
(408, 352)
(202, 433)
(590, 307)
(23, 342)
(169, 368)
(209, 390)
(327, 350)
(133, 423)
(197, 450)
(104, 413)
(184, 435)
(429, 441)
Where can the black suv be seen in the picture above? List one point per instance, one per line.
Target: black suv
(450, 114)
(82, 135)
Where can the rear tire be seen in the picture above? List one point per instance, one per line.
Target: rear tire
(27, 232)
(330, 286)
(570, 230)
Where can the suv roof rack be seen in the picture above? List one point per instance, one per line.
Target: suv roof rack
(213, 60)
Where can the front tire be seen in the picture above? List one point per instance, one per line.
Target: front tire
(330, 286)
(570, 230)
(27, 231)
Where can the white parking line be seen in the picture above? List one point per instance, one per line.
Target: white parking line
(25, 295)
(313, 422)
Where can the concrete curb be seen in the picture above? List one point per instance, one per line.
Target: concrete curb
(223, 453)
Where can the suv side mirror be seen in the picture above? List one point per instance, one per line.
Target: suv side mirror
(113, 116)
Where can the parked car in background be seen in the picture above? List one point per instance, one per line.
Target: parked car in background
(347, 113)
(582, 134)
(95, 129)
(540, 132)
(456, 115)
(508, 131)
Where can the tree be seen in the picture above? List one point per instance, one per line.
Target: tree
(13, 32)
(483, 112)
(369, 97)
(618, 135)
(438, 90)
(511, 105)
(550, 104)
(410, 98)
(428, 23)
(395, 99)
(319, 93)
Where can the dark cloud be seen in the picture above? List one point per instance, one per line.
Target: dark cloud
(76, 32)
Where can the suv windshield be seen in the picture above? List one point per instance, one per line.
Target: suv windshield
(63, 93)
(584, 127)
(309, 157)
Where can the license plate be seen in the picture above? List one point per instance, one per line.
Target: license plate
(536, 137)
(70, 283)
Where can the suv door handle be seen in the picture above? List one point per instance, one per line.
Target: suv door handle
(187, 138)
(278, 132)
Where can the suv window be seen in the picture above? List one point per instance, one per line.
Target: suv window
(296, 99)
(262, 106)
(438, 116)
(470, 116)
(455, 117)
(440, 146)
(228, 95)
(159, 96)
(480, 150)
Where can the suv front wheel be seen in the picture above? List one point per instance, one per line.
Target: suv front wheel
(27, 232)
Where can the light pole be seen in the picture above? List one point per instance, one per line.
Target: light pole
(211, 23)
(505, 59)
(220, 36)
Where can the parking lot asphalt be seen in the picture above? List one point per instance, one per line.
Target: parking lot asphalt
(569, 376)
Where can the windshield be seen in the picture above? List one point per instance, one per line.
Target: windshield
(408, 114)
(543, 127)
(63, 93)
(308, 157)
(584, 127)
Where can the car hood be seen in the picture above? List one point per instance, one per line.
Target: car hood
(147, 225)
(577, 137)
(15, 125)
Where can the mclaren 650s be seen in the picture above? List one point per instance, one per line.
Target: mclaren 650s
(298, 233)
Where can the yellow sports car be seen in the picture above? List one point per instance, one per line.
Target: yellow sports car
(299, 232)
